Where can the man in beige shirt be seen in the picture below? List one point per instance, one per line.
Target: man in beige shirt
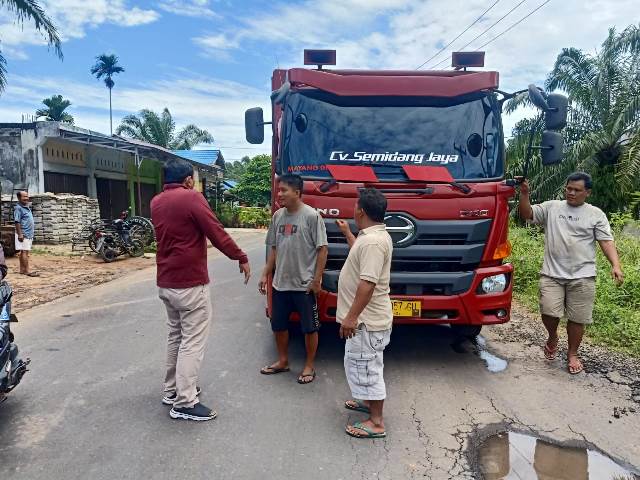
(568, 276)
(364, 311)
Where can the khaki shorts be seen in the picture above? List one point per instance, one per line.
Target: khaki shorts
(573, 297)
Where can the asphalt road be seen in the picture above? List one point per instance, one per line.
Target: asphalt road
(90, 406)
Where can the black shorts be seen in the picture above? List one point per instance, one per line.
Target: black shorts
(287, 302)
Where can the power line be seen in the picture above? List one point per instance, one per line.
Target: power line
(482, 33)
(517, 23)
(462, 33)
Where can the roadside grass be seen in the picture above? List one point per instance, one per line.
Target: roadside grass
(616, 312)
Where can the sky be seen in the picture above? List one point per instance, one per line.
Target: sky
(210, 60)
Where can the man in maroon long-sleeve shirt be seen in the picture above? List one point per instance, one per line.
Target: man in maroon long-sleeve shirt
(183, 223)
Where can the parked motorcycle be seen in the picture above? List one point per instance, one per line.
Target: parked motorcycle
(119, 238)
(12, 367)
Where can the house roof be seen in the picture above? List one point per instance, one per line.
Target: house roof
(205, 157)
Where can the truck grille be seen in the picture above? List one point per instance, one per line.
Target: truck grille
(439, 259)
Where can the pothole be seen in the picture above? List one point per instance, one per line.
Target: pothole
(515, 456)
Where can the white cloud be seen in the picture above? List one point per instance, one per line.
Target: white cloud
(188, 8)
(402, 34)
(72, 19)
(213, 104)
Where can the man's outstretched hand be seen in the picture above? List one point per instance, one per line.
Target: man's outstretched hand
(344, 227)
(246, 269)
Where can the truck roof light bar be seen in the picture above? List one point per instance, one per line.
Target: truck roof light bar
(319, 57)
(467, 59)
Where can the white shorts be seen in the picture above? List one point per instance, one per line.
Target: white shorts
(364, 365)
(25, 244)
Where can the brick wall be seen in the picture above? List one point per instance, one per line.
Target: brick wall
(57, 217)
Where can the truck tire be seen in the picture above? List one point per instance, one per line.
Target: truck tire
(468, 331)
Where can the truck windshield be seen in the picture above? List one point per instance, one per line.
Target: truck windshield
(462, 134)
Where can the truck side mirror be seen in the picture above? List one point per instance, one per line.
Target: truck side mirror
(254, 125)
(537, 97)
(551, 148)
(555, 118)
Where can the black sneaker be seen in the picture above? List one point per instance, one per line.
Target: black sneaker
(198, 412)
(169, 399)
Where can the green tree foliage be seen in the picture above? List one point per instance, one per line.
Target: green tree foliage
(254, 187)
(106, 67)
(160, 130)
(234, 170)
(31, 11)
(55, 109)
(603, 135)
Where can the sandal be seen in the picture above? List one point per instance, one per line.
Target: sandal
(549, 352)
(301, 378)
(270, 370)
(357, 406)
(32, 274)
(369, 433)
(576, 369)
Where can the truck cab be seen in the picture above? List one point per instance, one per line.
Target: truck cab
(432, 142)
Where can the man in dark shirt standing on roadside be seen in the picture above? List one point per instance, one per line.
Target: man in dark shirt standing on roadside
(183, 221)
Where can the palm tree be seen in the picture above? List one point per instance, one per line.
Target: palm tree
(55, 110)
(150, 127)
(32, 11)
(106, 66)
(603, 135)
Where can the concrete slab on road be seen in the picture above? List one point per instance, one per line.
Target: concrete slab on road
(90, 406)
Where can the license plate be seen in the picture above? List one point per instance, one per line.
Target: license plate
(407, 308)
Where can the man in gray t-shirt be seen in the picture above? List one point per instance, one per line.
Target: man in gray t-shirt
(567, 279)
(297, 242)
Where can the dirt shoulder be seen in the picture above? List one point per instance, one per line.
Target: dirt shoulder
(526, 335)
(63, 272)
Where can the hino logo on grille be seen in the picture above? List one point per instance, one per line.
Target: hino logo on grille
(401, 229)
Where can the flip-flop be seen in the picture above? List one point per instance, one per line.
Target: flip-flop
(302, 375)
(269, 370)
(550, 353)
(369, 433)
(360, 406)
(580, 369)
(32, 274)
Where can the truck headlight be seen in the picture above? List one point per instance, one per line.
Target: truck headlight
(494, 284)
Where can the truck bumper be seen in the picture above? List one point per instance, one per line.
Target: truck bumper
(468, 308)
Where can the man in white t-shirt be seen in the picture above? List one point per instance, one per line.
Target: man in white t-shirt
(568, 276)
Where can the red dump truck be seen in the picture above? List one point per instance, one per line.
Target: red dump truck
(433, 143)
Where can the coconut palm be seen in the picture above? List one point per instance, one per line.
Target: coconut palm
(55, 111)
(603, 135)
(106, 66)
(30, 10)
(150, 127)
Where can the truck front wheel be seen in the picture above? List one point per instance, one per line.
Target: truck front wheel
(468, 331)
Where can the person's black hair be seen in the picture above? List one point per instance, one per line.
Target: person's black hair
(19, 194)
(293, 180)
(373, 203)
(585, 177)
(175, 171)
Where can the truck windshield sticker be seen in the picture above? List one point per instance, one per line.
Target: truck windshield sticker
(417, 158)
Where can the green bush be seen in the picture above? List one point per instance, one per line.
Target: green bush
(617, 309)
(228, 215)
(244, 217)
(254, 217)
